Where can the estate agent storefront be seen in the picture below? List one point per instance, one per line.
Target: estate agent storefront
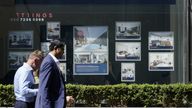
(107, 42)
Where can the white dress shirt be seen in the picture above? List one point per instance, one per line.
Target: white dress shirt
(23, 84)
(55, 59)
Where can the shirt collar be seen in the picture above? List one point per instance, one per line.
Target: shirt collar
(27, 66)
(54, 58)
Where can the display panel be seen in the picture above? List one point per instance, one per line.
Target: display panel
(62, 67)
(16, 59)
(20, 39)
(90, 50)
(128, 51)
(127, 72)
(45, 47)
(153, 18)
(53, 30)
(161, 41)
(128, 30)
(161, 61)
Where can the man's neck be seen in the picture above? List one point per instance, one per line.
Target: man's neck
(29, 62)
(53, 53)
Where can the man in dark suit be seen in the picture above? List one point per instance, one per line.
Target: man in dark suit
(51, 82)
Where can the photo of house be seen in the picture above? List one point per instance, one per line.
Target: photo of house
(161, 41)
(90, 44)
(53, 30)
(127, 72)
(90, 38)
(128, 51)
(161, 61)
(128, 30)
(20, 39)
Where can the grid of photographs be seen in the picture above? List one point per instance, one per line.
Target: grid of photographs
(127, 47)
(127, 72)
(17, 41)
(163, 44)
(90, 47)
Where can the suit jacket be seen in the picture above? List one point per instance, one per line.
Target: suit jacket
(51, 86)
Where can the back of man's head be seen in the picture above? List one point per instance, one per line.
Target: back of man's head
(56, 44)
(36, 53)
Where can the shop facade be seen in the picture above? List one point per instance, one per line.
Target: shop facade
(107, 42)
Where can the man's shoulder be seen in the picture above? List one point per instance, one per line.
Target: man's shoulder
(21, 69)
(47, 59)
(22, 72)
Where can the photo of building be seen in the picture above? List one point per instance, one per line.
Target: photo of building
(161, 41)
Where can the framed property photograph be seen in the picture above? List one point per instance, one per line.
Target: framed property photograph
(45, 47)
(161, 41)
(16, 59)
(53, 30)
(63, 68)
(128, 30)
(128, 51)
(20, 40)
(161, 61)
(90, 45)
(127, 72)
(90, 38)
